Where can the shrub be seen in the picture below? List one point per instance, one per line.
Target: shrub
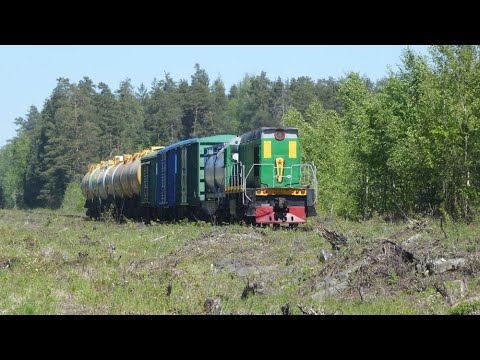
(73, 200)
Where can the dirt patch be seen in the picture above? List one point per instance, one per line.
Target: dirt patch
(6, 218)
(8, 262)
(30, 243)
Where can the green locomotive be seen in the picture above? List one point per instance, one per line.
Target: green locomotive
(259, 176)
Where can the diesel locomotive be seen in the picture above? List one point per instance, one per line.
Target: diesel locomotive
(257, 177)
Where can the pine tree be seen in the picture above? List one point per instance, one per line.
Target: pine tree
(164, 109)
(198, 113)
(110, 128)
(131, 119)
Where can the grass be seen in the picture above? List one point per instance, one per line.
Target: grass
(466, 308)
(55, 264)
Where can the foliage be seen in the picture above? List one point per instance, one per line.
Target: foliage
(465, 308)
(408, 144)
(82, 123)
(324, 142)
(12, 177)
(73, 201)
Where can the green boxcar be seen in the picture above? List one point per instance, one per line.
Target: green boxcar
(190, 182)
(149, 179)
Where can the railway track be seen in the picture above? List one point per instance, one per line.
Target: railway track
(36, 212)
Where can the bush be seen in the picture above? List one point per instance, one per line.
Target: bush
(465, 308)
(73, 200)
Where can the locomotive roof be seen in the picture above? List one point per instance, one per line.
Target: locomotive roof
(256, 134)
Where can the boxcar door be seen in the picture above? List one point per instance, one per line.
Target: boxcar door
(171, 176)
(145, 194)
(161, 197)
(183, 177)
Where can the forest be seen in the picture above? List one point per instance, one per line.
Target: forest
(406, 145)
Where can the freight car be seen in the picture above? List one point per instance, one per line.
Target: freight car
(256, 177)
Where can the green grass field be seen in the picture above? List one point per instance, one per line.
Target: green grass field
(56, 264)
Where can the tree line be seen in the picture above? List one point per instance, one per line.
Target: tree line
(407, 144)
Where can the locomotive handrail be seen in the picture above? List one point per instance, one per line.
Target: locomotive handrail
(236, 172)
(311, 175)
(308, 178)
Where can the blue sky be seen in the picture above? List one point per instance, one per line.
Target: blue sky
(28, 73)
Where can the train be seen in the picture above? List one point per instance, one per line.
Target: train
(257, 178)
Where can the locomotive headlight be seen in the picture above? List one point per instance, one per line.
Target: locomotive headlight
(279, 135)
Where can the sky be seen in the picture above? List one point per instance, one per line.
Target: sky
(28, 73)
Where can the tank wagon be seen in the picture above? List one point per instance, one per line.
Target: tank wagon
(257, 177)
